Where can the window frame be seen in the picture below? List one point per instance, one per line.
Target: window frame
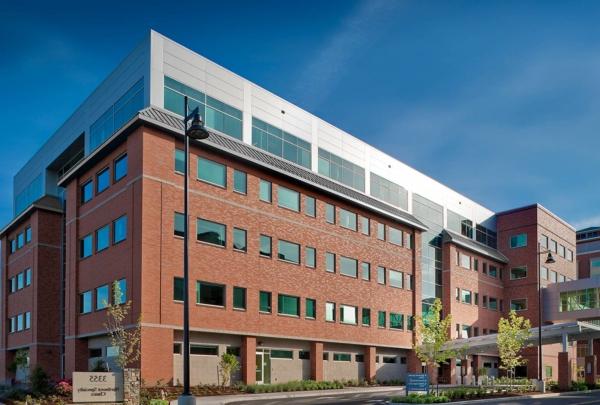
(116, 162)
(100, 173)
(203, 159)
(236, 177)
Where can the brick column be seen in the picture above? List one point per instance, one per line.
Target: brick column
(370, 363)
(156, 348)
(591, 368)
(76, 356)
(316, 361)
(413, 364)
(597, 354)
(248, 354)
(564, 371)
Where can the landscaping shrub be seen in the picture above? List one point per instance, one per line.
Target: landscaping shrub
(579, 386)
(304, 385)
(419, 399)
(159, 402)
(40, 382)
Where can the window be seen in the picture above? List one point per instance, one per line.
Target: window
(20, 240)
(359, 358)
(381, 274)
(86, 246)
(493, 303)
(342, 357)
(561, 278)
(27, 320)
(330, 311)
(366, 316)
(408, 241)
(27, 277)
(13, 246)
(518, 272)
(388, 191)
(381, 231)
(341, 170)
(310, 257)
(265, 191)
(311, 308)
(410, 322)
(288, 251)
(493, 271)
(102, 180)
(396, 321)
(120, 229)
(265, 301)
(518, 241)
(330, 213)
(210, 294)
(304, 355)
(13, 285)
(179, 161)
(348, 314)
(330, 262)
(122, 299)
(366, 270)
(211, 232)
(310, 206)
(561, 251)
(289, 199)
(204, 350)
(235, 351)
(457, 294)
(288, 305)
(544, 241)
(19, 322)
(212, 172)
(410, 282)
(102, 238)
(485, 301)
(396, 278)
(87, 191)
(85, 302)
(365, 225)
(552, 276)
(239, 239)
(348, 219)
(281, 143)
(20, 281)
(348, 266)
(548, 370)
(28, 235)
(475, 264)
(179, 224)
(178, 289)
(102, 297)
(466, 297)
(544, 273)
(282, 354)
(120, 170)
(476, 299)
(395, 236)
(484, 269)
(569, 254)
(518, 304)
(265, 246)
(553, 246)
(240, 183)
(465, 261)
(381, 319)
(239, 298)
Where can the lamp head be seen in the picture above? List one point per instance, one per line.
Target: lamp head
(550, 258)
(197, 129)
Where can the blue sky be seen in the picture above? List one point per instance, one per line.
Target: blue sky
(497, 99)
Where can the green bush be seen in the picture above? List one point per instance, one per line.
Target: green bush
(579, 386)
(419, 399)
(159, 402)
(464, 393)
(40, 382)
(304, 385)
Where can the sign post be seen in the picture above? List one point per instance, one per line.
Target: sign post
(417, 383)
(97, 387)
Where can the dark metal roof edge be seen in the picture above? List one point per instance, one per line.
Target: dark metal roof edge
(473, 245)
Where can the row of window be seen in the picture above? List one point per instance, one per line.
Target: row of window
(470, 263)
(468, 297)
(19, 322)
(21, 240)
(579, 300)
(103, 180)
(104, 296)
(467, 331)
(555, 247)
(103, 238)
(20, 281)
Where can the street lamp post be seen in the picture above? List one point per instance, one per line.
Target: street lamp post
(195, 131)
(549, 260)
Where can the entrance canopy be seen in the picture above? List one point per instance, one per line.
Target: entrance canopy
(551, 334)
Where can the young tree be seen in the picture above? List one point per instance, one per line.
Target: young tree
(432, 333)
(228, 365)
(125, 339)
(512, 335)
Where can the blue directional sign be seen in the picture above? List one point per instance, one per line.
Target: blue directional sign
(417, 382)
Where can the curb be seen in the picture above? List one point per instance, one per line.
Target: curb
(531, 396)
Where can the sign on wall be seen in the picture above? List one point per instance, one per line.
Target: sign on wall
(97, 387)
(417, 383)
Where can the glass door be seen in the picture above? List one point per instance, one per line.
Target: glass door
(259, 368)
(263, 367)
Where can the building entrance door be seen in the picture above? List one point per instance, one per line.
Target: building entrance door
(263, 367)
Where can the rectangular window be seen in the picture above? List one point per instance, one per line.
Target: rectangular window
(122, 299)
(211, 232)
(410, 322)
(561, 251)
(359, 358)
(366, 270)
(410, 282)
(27, 320)
(102, 297)
(212, 172)
(310, 206)
(102, 238)
(342, 170)
(19, 322)
(13, 246)
(553, 246)
(389, 191)
(518, 272)
(493, 272)
(330, 262)
(265, 246)
(311, 308)
(517, 241)
(381, 319)
(240, 182)
(396, 278)
(86, 246)
(381, 231)
(282, 354)
(179, 224)
(544, 241)
(348, 219)
(518, 304)
(395, 236)
(465, 261)
(210, 294)
(485, 301)
(20, 240)
(289, 199)
(179, 161)
(204, 350)
(342, 357)
(288, 251)
(265, 191)
(366, 316)
(20, 281)
(239, 298)
(330, 311)
(476, 299)
(178, 289)
(13, 285)
(365, 227)
(457, 294)
(265, 301)
(235, 351)
(85, 302)
(120, 229)
(348, 266)
(239, 239)
(120, 169)
(466, 297)
(310, 259)
(493, 303)
(569, 255)
(28, 235)
(475, 264)
(553, 278)
(304, 355)
(548, 370)
(288, 305)
(102, 180)
(87, 191)
(281, 143)
(330, 213)
(27, 277)
(396, 321)
(381, 274)
(348, 314)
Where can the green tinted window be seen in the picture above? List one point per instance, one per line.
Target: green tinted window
(210, 294)
(366, 270)
(265, 245)
(179, 224)
(310, 206)
(330, 262)
(310, 259)
(280, 143)
(288, 251)
(178, 289)
(265, 301)
(265, 191)
(282, 354)
(348, 266)
(288, 305)
(239, 239)
(348, 219)
(240, 181)
(179, 160)
(211, 232)
(330, 213)
(396, 321)
(288, 198)
(212, 172)
(381, 274)
(381, 319)
(366, 316)
(395, 236)
(311, 308)
(239, 298)
(341, 170)
(396, 279)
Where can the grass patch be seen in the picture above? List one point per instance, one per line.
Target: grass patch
(420, 399)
